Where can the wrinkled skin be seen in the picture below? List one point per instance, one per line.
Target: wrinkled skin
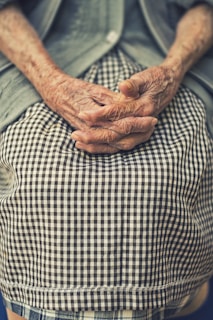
(142, 98)
(71, 98)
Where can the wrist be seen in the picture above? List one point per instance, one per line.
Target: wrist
(40, 70)
(48, 78)
(54, 84)
(176, 67)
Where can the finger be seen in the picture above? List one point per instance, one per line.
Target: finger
(113, 112)
(136, 85)
(96, 148)
(129, 125)
(132, 140)
(103, 96)
(95, 136)
(144, 106)
(129, 88)
(114, 130)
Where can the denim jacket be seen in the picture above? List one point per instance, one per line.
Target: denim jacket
(161, 17)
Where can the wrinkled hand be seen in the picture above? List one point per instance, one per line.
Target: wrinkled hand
(108, 140)
(69, 97)
(113, 136)
(152, 90)
(147, 94)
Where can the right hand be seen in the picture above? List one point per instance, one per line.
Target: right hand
(69, 96)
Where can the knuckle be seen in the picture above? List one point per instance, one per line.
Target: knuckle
(133, 108)
(100, 135)
(148, 106)
(113, 113)
(126, 126)
(137, 77)
(107, 136)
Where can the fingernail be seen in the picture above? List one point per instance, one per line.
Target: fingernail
(154, 122)
(129, 84)
(79, 145)
(75, 136)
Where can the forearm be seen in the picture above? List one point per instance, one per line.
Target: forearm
(194, 36)
(20, 44)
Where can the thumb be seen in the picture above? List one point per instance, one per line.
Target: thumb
(135, 86)
(129, 88)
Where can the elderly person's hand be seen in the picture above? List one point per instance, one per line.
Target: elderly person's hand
(106, 136)
(109, 139)
(151, 90)
(147, 93)
(70, 97)
(154, 88)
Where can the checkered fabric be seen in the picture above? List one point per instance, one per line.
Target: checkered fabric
(30, 313)
(128, 231)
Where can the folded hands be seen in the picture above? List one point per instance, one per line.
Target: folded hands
(109, 122)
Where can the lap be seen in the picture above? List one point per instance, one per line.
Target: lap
(145, 212)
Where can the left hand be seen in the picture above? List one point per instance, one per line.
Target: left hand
(151, 91)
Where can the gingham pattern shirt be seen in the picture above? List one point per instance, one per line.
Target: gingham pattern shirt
(127, 231)
(30, 313)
